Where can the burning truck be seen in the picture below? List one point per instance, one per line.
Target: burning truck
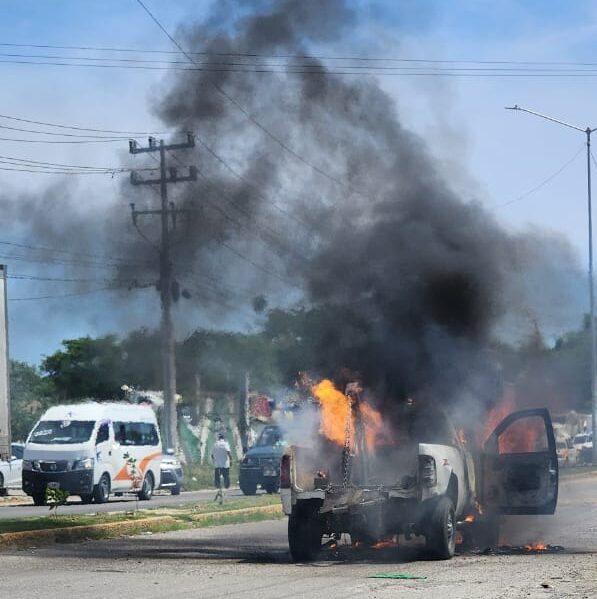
(418, 477)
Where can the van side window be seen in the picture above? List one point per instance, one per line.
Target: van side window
(103, 433)
(136, 433)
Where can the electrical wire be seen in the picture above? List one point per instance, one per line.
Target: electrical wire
(245, 112)
(56, 141)
(545, 181)
(349, 70)
(79, 128)
(297, 56)
(75, 293)
(101, 257)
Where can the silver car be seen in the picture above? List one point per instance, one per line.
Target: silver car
(10, 472)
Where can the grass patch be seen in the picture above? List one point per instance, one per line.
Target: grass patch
(182, 517)
(198, 477)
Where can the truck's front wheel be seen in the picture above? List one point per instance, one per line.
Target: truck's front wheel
(304, 534)
(441, 533)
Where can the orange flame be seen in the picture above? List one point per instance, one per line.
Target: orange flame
(335, 411)
(336, 415)
(462, 437)
(538, 546)
(385, 543)
(470, 519)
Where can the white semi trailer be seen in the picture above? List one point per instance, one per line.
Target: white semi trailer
(4, 371)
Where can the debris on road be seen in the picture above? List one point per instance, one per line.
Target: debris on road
(397, 576)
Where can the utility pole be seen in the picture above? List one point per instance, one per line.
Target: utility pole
(167, 285)
(243, 410)
(4, 372)
(587, 131)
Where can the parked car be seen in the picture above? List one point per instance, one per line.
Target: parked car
(583, 446)
(10, 472)
(171, 471)
(567, 454)
(261, 464)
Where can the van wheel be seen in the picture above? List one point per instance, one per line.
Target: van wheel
(39, 499)
(146, 491)
(101, 491)
(3, 491)
(87, 498)
(175, 490)
(304, 533)
(441, 536)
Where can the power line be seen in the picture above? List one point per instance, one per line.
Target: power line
(78, 128)
(90, 135)
(55, 141)
(546, 181)
(84, 254)
(423, 71)
(267, 230)
(76, 293)
(109, 169)
(323, 68)
(57, 172)
(245, 112)
(246, 180)
(299, 56)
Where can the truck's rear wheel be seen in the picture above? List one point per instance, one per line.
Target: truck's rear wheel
(304, 534)
(441, 536)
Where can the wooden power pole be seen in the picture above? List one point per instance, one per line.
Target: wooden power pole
(167, 283)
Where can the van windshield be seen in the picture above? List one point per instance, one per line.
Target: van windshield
(55, 432)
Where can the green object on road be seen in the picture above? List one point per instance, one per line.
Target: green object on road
(397, 576)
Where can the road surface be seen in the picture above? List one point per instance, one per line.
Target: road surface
(116, 504)
(251, 561)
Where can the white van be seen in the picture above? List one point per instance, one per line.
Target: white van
(93, 449)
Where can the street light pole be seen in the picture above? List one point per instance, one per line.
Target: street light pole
(587, 131)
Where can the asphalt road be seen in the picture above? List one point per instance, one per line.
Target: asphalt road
(251, 561)
(115, 504)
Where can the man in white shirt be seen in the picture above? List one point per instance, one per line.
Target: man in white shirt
(221, 456)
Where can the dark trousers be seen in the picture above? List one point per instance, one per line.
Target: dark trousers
(218, 472)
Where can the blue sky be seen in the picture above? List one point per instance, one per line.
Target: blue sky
(489, 154)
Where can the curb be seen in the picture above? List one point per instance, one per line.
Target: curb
(266, 509)
(69, 534)
(78, 533)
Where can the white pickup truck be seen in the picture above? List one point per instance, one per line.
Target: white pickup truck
(427, 483)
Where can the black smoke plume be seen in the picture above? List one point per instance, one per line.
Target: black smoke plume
(312, 189)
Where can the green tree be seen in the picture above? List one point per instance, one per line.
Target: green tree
(87, 368)
(30, 395)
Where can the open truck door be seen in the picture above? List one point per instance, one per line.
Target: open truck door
(520, 466)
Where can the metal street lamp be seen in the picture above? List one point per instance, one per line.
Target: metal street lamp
(587, 131)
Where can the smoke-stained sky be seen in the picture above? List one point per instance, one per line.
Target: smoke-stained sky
(442, 144)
